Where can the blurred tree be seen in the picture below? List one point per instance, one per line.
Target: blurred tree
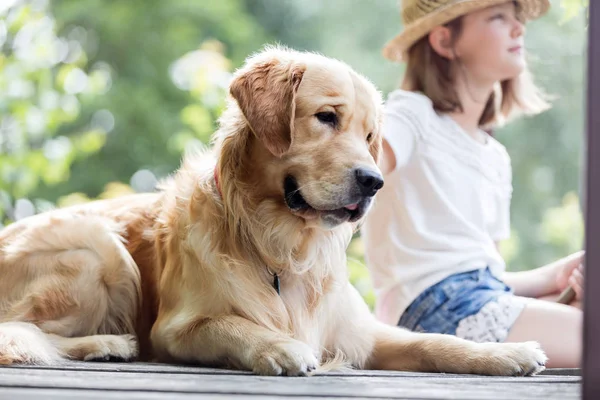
(572, 8)
(353, 31)
(45, 79)
(152, 118)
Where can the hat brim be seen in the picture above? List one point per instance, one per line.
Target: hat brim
(396, 48)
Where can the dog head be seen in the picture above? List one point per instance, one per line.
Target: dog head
(316, 129)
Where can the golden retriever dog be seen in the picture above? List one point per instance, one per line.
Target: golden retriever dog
(239, 260)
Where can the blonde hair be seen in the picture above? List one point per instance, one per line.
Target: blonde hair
(429, 73)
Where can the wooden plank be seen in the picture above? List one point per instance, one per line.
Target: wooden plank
(562, 371)
(67, 394)
(140, 369)
(397, 387)
(186, 369)
(132, 367)
(591, 315)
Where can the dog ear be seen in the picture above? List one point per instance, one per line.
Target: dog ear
(265, 92)
(375, 148)
(376, 145)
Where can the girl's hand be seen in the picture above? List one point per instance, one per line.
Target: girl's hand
(570, 273)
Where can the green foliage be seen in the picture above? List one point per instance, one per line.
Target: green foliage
(45, 79)
(358, 272)
(572, 8)
(154, 116)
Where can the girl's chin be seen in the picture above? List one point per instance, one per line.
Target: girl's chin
(517, 65)
(512, 70)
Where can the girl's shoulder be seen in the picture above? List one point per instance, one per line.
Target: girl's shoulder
(413, 110)
(500, 149)
(412, 105)
(404, 100)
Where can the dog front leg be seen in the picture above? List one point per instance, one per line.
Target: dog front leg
(402, 350)
(233, 340)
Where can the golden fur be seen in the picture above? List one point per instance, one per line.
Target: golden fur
(185, 274)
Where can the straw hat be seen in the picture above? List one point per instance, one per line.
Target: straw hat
(420, 16)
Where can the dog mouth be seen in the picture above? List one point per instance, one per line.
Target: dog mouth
(299, 206)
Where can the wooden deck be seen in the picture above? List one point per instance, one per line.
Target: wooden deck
(96, 380)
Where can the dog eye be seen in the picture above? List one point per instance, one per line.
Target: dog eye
(369, 137)
(327, 117)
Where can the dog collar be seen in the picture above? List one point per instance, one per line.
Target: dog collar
(275, 281)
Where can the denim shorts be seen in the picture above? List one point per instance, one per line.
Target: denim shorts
(474, 305)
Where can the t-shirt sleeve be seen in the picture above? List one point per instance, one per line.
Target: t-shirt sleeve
(501, 229)
(403, 123)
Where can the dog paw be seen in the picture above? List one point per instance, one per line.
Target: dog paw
(111, 348)
(516, 359)
(291, 358)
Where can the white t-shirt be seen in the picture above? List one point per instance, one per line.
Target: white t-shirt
(441, 209)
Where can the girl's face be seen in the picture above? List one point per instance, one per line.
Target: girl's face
(490, 45)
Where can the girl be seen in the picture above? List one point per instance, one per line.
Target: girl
(431, 237)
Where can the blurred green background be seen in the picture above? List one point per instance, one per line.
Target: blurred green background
(99, 98)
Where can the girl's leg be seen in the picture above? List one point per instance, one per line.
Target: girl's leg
(557, 327)
(553, 297)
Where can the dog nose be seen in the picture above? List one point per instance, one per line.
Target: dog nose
(369, 181)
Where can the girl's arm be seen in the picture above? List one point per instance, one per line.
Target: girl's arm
(403, 120)
(544, 281)
(387, 161)
(534, 283)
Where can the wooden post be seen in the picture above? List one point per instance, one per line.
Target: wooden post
(591, 316)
